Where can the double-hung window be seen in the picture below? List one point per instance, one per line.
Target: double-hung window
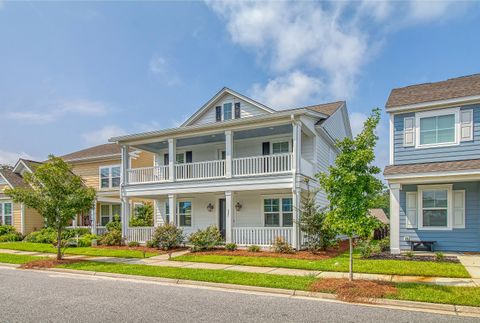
(278, 212)
(434, 207)
(185, 213)
(437, 130)
(227, 111)
(6, 213)
(280, 147)
(108, 213)
(110, 176)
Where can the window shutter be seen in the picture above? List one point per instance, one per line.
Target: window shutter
(411, 210)
(408, 131)
(466, 125)
(165, 159)
(459, 209)
(237, 110)
(218, 113)
(266, 148)
(188, 156)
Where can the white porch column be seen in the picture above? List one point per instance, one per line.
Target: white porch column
(228, 153)
(395, 218)
(172, 143)
(296, 148)
(93, 218)
(74, 221)
(125, 215)
(229, 216)
(125, 164)
(172, 206)
(296, 198)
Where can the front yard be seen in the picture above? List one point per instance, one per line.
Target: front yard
(85, 251)
(338, 263)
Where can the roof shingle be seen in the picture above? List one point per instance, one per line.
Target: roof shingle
(325, 108)
(470, 164)
(14, 179)
(450, 89)
(94, 152)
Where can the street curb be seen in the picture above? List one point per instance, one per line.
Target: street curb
(397, 304)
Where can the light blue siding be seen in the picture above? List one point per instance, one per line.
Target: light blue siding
(463, 151)
(467, 239)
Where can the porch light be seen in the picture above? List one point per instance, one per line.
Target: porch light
(238, 206)
(209, 207)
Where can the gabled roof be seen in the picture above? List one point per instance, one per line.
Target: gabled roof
(465, 86)
(30, 165)
(380, 215)
(13, 179)
(217, 96)
(100, 151)
(326, 108)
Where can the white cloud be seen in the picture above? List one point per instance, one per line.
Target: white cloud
(160, 67)
(288, 91)
(423, 10)
(61, 109)
(10, 157)
(101, 136)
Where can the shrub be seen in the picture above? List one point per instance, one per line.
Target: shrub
(206, 239)
(384, 244)
(86, 240)
(167, 237)
(231, 246)
(143, 216)
(254, 248)
(46, 235)
(134, 244)
(6, 229)
(281, 246)
(368, 248)
(115, 224)
(439, 256)
(112, 238)
(10, 237)
(150, 244)
(409, 254)
(73, 233)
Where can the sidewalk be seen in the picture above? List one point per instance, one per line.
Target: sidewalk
(471, 262)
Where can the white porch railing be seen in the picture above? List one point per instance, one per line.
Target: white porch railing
(259, 235)
(260, 165)
(200, 170)
(101, 230)
(140, 234)
(148, 174)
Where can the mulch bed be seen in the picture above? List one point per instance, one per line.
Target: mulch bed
(359, 291)
(389, 256)
(303, 254)
(140, 248)
(48, 263)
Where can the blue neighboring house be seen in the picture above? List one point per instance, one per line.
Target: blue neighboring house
(434, 169)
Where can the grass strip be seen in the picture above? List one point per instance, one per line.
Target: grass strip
(469, 296)
(340, 264)
(85, 251)
(16, 259)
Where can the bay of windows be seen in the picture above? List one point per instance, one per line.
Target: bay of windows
(6, 213)
(278, 212)
(110, 177)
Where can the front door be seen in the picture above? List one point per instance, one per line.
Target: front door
(222, 216)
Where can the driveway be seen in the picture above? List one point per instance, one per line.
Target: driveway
(30, 296)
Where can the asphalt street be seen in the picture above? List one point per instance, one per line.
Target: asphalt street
(33, 296)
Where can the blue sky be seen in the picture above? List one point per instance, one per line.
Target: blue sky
(74, 74)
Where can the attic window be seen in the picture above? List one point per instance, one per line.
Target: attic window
(227, 111)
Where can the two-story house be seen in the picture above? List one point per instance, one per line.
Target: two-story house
(434, 171)
(237, 164)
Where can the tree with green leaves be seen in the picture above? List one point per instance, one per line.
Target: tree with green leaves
(56, 193)
(143, 216)
(352, 186)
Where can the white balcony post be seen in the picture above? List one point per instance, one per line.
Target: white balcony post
(296, 201)
(172, 205)
(125, 164)
(74, 221)
(395, 218)
(229, 216)
(125, 215)
(171, 158)
(228, 153)
(93, 218)
(296, 149)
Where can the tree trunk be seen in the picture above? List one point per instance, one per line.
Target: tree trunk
(350, 276)
(59, 244)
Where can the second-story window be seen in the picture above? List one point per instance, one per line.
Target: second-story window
(280, 147)
(227, 111)
(437, 130)
(109, 176)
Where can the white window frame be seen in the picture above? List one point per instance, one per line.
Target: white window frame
(448, 188)
(179, 214)
(438, 113)
(135, 205)
(2, 212)
(109, 167)
(278, 141)
(280, 212)
(110, 212)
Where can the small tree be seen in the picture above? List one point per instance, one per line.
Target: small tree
(56, 193)
(143, 216)
(313, 222)
(351, 185)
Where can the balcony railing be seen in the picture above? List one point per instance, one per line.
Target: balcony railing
(200, 170)
(261, 165)
(148, 174)
(260, 236)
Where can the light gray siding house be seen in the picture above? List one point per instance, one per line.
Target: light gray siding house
(237, 164)
(434, 170)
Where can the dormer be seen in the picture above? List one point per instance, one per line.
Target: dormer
(227, 105)
(22, 166)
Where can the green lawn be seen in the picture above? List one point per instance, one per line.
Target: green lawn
(86, 251)
(16, 259)
(406, 291)
(340, 263)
